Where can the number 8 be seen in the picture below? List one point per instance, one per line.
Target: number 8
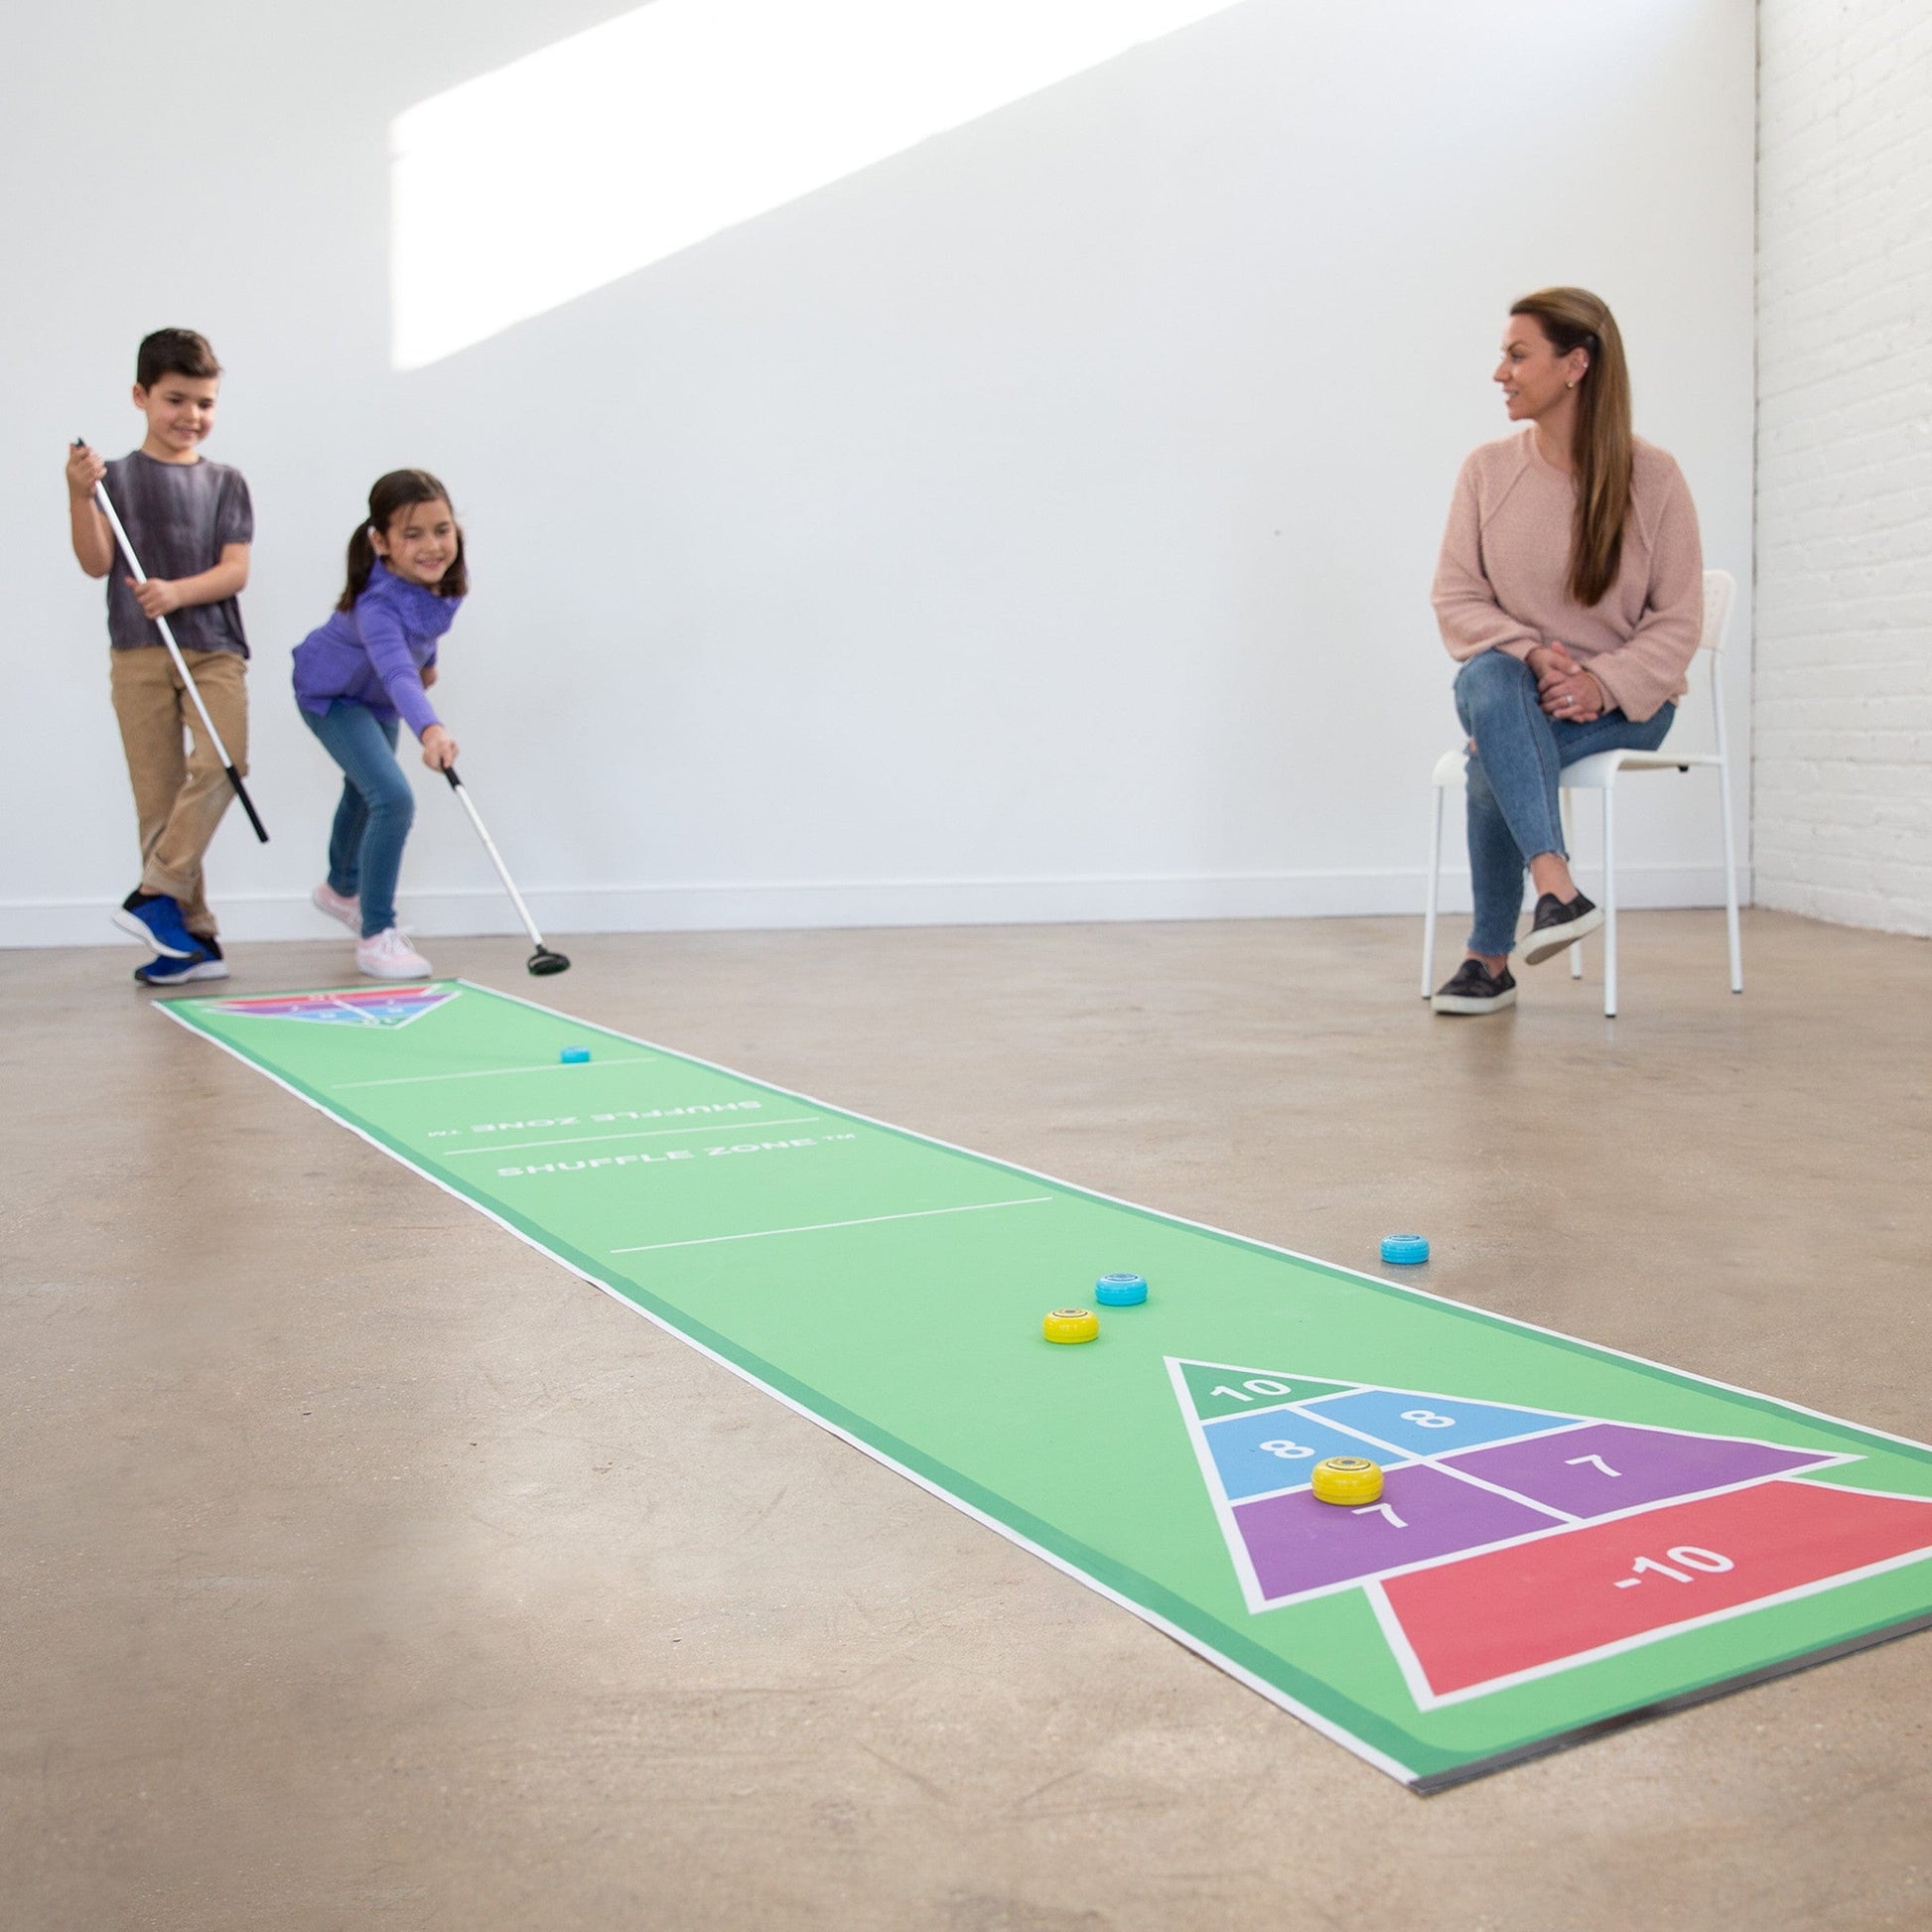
(1427, 1419)
(1288, 1452)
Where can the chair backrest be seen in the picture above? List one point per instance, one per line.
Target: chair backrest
(1719, 593)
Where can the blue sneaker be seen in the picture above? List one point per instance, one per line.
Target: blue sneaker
(156, 919)
(207, 964)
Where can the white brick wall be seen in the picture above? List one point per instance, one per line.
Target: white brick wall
(1841, 823)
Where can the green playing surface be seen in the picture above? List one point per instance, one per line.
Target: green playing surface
(1570, 1537)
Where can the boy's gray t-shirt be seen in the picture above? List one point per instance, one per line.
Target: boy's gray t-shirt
(177, 516)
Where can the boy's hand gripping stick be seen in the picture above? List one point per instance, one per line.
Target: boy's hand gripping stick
(181, 664)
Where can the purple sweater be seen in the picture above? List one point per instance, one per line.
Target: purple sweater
(375, 655)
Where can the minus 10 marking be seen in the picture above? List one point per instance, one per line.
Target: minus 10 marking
(1692, 1558)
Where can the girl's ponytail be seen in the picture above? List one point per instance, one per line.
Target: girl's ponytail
(362, 560)
(400, 490)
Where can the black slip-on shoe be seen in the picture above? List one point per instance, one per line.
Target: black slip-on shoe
(1554, 926)
(1474, 988)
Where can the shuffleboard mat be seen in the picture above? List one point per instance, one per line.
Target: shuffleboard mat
(1567, 1539)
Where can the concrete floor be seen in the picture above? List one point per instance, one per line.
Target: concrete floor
(358, 1568)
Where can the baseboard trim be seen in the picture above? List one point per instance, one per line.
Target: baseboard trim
(867, 903)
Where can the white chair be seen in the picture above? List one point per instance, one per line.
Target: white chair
(1600, 773)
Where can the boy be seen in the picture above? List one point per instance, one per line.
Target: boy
(192, 523)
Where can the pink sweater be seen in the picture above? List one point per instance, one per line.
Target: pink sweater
(1500, 580)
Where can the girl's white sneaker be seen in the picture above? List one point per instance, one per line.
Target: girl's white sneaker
(389, 956)
(348, 910)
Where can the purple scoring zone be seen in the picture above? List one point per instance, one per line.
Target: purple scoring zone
(1613, 1466)
(1298, 1543)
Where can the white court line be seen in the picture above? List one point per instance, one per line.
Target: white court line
(484, 1072)
(643, 1134)
(812, 1227)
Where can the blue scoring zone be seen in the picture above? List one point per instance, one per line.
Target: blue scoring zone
(1432, 1424)
(1248, 1470)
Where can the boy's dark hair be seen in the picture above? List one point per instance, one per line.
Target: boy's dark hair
(173, 351)
(400, 490)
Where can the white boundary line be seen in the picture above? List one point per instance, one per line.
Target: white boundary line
(1417, 1456)
(816, 1227)
(1327, 1728)
(1403, 1653)
(1237, 1547)
(482, 1073)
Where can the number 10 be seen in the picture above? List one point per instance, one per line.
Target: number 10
(1687, 1553)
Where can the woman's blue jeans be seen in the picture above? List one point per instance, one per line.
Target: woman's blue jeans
(1516, 752)
(373, 822)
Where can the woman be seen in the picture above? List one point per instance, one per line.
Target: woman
(1570, 589)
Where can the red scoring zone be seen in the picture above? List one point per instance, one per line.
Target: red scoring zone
(1490, 1616)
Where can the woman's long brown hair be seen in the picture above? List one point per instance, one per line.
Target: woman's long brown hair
(1575, 318)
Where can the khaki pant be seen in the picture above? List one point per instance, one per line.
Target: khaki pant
(179, 798)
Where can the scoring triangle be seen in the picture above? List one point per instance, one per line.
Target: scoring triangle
(372, 1005)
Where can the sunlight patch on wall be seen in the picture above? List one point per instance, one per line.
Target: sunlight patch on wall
(593, 157)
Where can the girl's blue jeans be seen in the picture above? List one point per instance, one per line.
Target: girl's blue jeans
(373, 822)
(1516, 752)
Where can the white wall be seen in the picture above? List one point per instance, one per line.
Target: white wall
(1844, 737)
(1037, 524)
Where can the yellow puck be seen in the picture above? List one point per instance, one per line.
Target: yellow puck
(1347, 1480)
(1071, 1325)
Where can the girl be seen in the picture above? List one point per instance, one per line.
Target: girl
(355, 675)
(1570, 587)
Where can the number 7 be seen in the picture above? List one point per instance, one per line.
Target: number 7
(1380, 1509)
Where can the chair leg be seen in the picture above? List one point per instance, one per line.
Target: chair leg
(1576, 952)
(1731, 883)
(1435, 879)
(1610, 902)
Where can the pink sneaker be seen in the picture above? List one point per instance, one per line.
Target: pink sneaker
(348, 910)
(389, 956)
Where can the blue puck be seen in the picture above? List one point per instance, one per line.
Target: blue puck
(572, 1055)
(1405, 1250)
(1120, 1290)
